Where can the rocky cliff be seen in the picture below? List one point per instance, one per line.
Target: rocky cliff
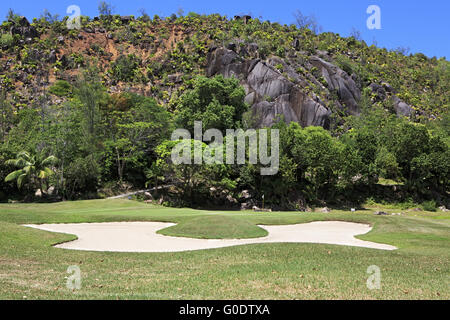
(287, 73)
(278, 89)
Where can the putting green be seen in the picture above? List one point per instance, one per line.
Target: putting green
(215, 227)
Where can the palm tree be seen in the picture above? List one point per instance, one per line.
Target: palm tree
(35, 169)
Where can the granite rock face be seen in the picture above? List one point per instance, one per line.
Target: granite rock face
(384, 91)
(271, 94)
(337, 79)
(277, 88)
(401, 108)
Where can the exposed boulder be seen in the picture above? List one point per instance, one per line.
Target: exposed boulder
(245, 194)
(148, 195)
(51, 191)
(337, 79)
(64, 61)
(231, 200)
(401, 108)
(379, 91)
(252, 48)
(126, 19)
(388, 87)
(22, 27)
(384, 91)
(296, 44)
(231, 46)
(52, 58)
(221, 61)
(270, 93)
(246, 19)
(246, 206)
(175, 78)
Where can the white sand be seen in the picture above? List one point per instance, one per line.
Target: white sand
(142, 236)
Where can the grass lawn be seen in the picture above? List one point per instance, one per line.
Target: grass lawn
(30, 268)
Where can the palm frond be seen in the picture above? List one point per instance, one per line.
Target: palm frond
(19, 162)
(13, 175)
(20, 180)
(12, 162)
(28, 169)
(48, 171)
(24, 155)
(42, 174)
(49, 161)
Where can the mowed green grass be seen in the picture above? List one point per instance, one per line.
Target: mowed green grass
(30, 268)
(215, 227)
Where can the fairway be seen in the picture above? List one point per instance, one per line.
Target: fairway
(31, 268)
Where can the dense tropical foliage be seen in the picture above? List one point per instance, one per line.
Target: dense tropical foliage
(94, 125)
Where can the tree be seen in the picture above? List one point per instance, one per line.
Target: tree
(365, 142)
(32, 168)
(5, 114)
(430, 171)
(324, 165)
(386, 164)
(217, 102)
(65, 140)
(307, 22)
(409, 141)
(105, 9)
(48, 17)
(124, 68)
(191, 180)
(81, 177)
(355, 33)
(11, 16)
(144, 16)
(90, 93)
(135, 125)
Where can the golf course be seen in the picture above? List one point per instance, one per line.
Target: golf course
(32, 268)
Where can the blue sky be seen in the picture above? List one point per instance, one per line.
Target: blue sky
(421, 26)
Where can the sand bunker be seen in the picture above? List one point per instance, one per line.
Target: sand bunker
(142, 236)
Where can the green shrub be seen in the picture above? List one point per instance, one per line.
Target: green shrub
(429, 205)
(6, 40)
(408, 204)
(345, 64)
(124, 68)
(61, 88)
(77, 60)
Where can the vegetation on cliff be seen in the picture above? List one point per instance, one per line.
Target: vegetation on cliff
(103, 100)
